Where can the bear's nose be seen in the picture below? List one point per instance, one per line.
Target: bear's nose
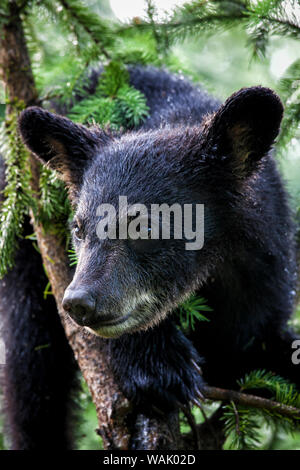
(80, 305)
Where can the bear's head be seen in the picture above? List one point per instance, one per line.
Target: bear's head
(194, 179)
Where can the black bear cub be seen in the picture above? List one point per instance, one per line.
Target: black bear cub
(190, 150)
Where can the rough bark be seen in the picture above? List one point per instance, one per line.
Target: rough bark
(111, 406)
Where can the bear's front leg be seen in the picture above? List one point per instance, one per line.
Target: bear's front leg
(158, 368)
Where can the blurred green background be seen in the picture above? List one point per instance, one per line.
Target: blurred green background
(222, 64)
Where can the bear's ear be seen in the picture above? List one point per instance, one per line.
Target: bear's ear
(243, 130)
(60, 143)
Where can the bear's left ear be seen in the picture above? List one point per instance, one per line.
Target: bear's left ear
(243, 130)
(60, 143)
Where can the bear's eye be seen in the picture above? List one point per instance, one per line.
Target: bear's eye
(140, 236)
(78, 232)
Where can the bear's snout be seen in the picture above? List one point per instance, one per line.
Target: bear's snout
(80, 304)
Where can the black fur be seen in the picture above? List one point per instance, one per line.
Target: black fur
(40, 371)
(190, 150)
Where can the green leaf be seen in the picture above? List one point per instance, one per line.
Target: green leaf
(189, 311)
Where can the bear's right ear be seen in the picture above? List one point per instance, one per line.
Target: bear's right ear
(60, 143)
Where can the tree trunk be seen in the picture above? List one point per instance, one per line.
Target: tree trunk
(90, 351)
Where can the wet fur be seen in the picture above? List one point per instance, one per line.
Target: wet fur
(190, 149)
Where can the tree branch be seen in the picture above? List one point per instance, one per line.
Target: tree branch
(219, 394)
(85, 26)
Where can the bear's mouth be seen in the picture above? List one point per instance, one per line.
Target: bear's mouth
(137, 316)
(109, 321)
